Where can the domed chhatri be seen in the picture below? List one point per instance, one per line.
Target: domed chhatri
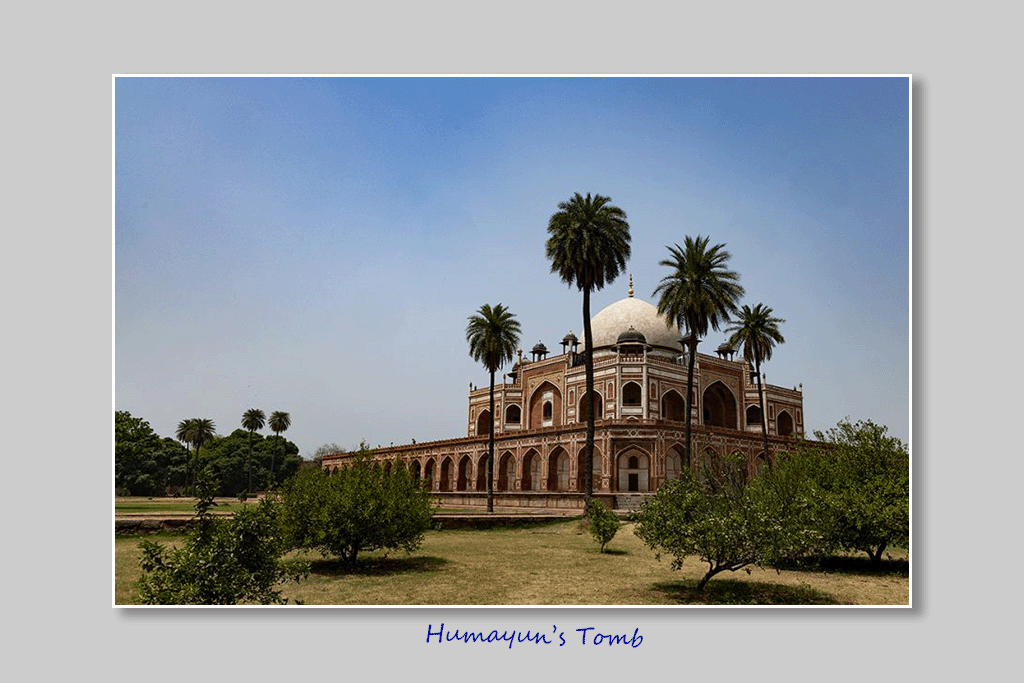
(632, 336)
(607, 325)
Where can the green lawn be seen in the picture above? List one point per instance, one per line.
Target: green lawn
(128, 506)
(554, 564)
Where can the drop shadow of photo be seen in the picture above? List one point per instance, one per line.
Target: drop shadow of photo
(731, 592)
(378, 566)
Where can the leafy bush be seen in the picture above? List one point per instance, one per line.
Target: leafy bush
(864, 478)
(730, 521)
(223, 561)
(360, 507)
(602, 522)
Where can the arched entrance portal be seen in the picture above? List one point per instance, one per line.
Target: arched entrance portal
(634, 471)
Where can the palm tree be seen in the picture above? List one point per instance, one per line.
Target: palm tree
(758, 332)
(699, 293)
(252, 420)
(588, 246)
(184, 435)
(493, 335)
(196, 431)
(279, 421)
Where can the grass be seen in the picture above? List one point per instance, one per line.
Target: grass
(130, 506)
(555, 564)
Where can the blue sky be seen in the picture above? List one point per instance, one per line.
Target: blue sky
(316, 245)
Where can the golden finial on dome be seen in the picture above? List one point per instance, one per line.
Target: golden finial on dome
(631, 284)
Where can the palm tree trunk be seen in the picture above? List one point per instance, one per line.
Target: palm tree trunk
(248, 466)
(691, 394)
(764, 415)
(490, 454)
(273, 452)
(588, 349)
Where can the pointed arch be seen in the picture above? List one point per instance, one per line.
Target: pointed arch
(464, 474)
(753, 416)
(632, 395)
(483, 423)
(673, 463)
(558, 470)
(633, 470)
(581, 409)
(481, 472)
(530, 480)
(545, 406)
(506, 473)
(447, 474)
(673, 407)
(581, 469)
(719, 406)
(513, 414)
(784, 423)
(428, 473)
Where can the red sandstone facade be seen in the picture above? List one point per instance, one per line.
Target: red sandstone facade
(640, 382)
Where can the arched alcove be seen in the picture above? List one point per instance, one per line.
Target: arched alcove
(581, 409)
(719, 406)
(753, 416)
(784, 423)
(483, 423)
(673, 407)
(545, 406)
(558, 470)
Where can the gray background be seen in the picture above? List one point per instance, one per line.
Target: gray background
(58, 279)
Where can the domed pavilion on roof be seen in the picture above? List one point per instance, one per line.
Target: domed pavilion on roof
(641, 402)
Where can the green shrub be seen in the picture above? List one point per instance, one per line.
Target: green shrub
(863, 476)
(359, 507)
(223, 561)
(730, 521)
(602, 522)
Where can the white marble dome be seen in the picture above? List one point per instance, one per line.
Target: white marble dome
(642, 316)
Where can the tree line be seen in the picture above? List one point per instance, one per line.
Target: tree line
(146, 464)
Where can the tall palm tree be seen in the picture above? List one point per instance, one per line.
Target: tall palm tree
(758, 332)
(279, 422)
(184, 435)
(699, 293)
(196, 431)
(588, 247)
(252, 420)
(493, 335)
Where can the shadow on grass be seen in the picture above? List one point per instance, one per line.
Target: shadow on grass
(852, 564)
(378, 566)
(615, 551)
(731, 592)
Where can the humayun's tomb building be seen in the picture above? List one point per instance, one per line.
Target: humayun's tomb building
(640, 381)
